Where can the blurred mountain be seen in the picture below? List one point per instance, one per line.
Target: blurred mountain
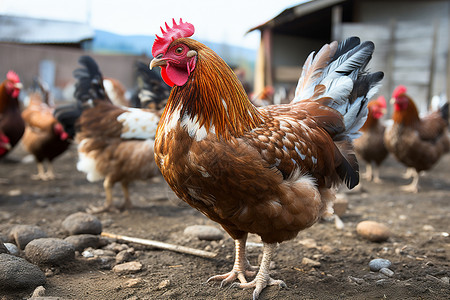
(108, 42)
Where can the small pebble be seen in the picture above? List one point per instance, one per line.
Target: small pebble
(134, 282)
(87, 254)
(387, 272)
(308, 243)
(377, 264)
(310, 263)
(38, 292)
(204, 232)
(124, 256)
(356, 280)
(128, 267)
(163, 284)
(12, 248)
(428, 228)
(373, 231)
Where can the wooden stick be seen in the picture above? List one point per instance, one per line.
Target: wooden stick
(161, 245)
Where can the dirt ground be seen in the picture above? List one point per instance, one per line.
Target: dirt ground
(418, 248)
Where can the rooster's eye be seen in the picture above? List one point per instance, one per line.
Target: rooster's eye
(179, 50)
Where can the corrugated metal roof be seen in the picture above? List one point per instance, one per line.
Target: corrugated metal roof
(26, 30)
(295, 12)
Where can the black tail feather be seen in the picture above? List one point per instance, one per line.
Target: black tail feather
(150, 90)
(89, 84)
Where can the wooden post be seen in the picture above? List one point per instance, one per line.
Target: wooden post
(432, 62)
(336, 23)
(389, 69)
(267, 39)
(259, 80)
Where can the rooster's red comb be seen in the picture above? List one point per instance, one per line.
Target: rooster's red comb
(12, 76)
(382, 101)
(401, 89)
(177, 31)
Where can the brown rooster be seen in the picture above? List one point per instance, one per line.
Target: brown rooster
(370, 146)
(115, 144)
(415, 142)
(11, 122)
(271, 171)
(44, 136)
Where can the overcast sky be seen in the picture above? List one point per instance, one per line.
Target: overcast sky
(217, 21)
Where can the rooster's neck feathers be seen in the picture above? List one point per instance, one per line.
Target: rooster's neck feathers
(408, 116)
(214, 97)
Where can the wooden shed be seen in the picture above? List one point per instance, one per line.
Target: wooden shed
(411, 39)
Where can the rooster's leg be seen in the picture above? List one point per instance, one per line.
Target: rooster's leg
(408, 173)
(368, 174)
(50, 173)
(108, 206)
(413, 187)
(241, 266)
(127, 204)
(376, 173)
(263, 278)
(41, 172)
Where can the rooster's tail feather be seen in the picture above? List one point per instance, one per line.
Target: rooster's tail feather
(341, 69)
(89, 84)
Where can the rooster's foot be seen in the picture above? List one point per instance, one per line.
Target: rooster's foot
(99, 209)
(233, 275)
(127, 205)
(259, 283)
(42, 177)
(410, 188)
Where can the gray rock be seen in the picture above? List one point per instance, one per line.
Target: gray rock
(116, 247)
(204, 232)
(12, 248)
(18, 274)
(387, 272)
(49, 251)
(23, 234)
(377, 264)
(80, 222)
(102, 252)
(124, 256)
(83, 241)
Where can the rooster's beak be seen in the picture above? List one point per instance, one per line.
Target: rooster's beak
(392, 101)
(18, 85)
(157, 62)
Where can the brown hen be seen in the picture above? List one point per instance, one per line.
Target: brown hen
(271, 171)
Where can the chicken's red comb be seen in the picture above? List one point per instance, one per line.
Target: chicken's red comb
(11, 75)
(401, 89)
(177, 31)
(382, 101)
